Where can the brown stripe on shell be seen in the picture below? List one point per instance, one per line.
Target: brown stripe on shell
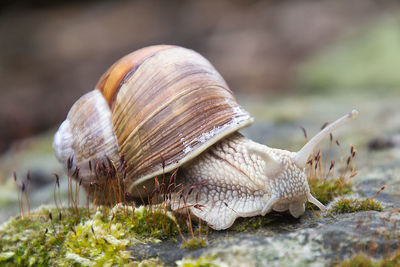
(110, 81)
(173, 107)
(210, 110)
(167, 143)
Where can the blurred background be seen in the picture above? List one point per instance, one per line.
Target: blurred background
(290, 63)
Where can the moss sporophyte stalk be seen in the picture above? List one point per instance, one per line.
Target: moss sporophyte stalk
(329, 178)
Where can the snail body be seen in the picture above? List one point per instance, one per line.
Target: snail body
(165, 107)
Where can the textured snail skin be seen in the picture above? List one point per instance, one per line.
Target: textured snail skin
(229, 181)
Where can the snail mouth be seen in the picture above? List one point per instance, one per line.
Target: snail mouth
(296, 208)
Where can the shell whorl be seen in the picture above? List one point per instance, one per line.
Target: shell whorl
(112, 80)
(87, 135)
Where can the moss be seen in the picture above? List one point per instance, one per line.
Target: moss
(205, 261)
(149, 223)
(34, 239)
(325, 190)
(47, 238)
(353, 205)
(194, 243)
(362, 260)
(358, 260)
(96, 242)
(147, 263)
(251, 223)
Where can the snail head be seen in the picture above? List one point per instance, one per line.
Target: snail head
(286, 172)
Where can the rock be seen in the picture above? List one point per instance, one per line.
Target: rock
(385, 142)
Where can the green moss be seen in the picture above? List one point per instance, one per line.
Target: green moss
(74, 238)
(96, 242)
(325, 190)
(205, 261)
(147, 263)
(251, 223)
(35, 239)
(362, 260)
(358, 260)
(149, 223)
(194, 243)
(353, 205)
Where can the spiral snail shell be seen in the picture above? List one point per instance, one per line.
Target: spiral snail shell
(166, 107)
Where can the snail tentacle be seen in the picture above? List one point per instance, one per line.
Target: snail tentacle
(315, 201)
(303, 154)
(270, 204)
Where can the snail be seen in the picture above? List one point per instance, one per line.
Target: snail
(164, 108)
